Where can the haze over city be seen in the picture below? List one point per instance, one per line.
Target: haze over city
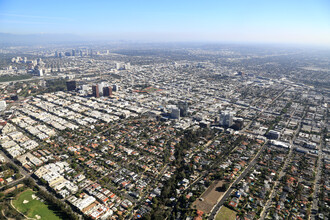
(256, 21)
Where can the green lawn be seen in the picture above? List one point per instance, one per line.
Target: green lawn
(33, 207)
(14, 78)
(226, 214)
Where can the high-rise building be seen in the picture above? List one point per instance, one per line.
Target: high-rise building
(127, 66)
(118, 66)
(73, 52)
(40, 72)
(175, 112)
(101, 85)
(71, 85)
(115, 88)
(107, 91)
(56, 54)
(95, 89)
(272, 134)
(226, 118)
(183, 106)
(123, 66)
(3, 105)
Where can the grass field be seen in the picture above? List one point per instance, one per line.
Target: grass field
(33, 208)
(14, 78)
(210, 197)
(226, 214)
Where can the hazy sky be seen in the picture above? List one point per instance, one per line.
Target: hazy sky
(284, 21)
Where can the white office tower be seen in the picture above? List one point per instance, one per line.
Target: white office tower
(84, 87)
(39, 61)
(226, 118)
(101, 85)
(118, 66)
(3, 105)
(40, 72)
(127, 66)
(123, 66)
(175, 112)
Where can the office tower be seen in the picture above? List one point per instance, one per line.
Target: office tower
(73, 52)
(3, 105)
(56, 54)
(127, 66)
(118, 66)
(40, 72)
(115, 88)
(183, 106)
(81, 53)
(238, 123)
(71, 85)
(84, 87)
(60, 55)
(107, 91)
(274, 134)
(101, 85)
(175, 112)
(39, 61)
(226, 119)
(95, 89)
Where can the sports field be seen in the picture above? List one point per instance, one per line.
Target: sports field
(31, 206)
(210, 197)
(226, 214)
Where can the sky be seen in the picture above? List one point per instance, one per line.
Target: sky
(260, 21)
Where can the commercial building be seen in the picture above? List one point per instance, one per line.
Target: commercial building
(107, 91)
(3, 105)
(274, 134)
(226, 118)
(175, 112)
(95, 89)
(115, 88)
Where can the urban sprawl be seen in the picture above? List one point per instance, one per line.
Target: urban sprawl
(184, 133)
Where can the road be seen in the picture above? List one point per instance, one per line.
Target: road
(21, 170)
(262, 110)
(217, 207)
(282, 172)
(273, 191)
(317, 181)
(146, 191)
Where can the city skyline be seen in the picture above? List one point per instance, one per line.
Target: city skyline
(293, 22)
